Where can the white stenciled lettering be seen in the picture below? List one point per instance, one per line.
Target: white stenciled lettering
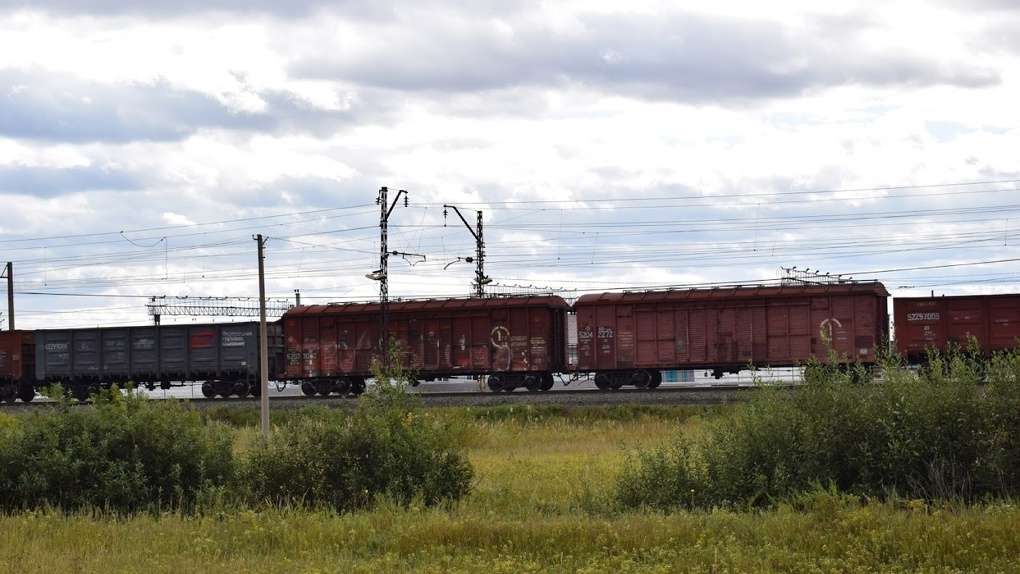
(605, 333)
(923, 316)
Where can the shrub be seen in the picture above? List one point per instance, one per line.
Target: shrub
(933, 437)
(387, 448)
(124, 453)
(668, 478)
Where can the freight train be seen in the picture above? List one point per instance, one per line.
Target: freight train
(616, 339)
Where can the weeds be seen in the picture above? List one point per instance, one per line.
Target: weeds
(389, 448)
(124, 454)
(934, 436)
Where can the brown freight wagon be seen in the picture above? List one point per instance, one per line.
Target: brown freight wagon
(514, 341)
(17, 366)
(630, 338)
(924, 323)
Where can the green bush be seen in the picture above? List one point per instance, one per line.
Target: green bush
(669, 478)
(388, 448)
(123, 454)
(940, 436)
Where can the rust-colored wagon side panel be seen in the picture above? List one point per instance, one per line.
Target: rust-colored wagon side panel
(436, 337)
(924, 323)
(730, 328)
(17, 356)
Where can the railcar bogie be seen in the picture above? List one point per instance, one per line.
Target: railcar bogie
(496, 383)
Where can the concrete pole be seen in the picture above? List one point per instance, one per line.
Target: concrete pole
(263, 341)
(10, 295)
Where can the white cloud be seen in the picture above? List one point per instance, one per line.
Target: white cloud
(608, 144)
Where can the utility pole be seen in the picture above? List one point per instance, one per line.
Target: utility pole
(381, 274)
(263, 343)
(9, 273)
(480, 279)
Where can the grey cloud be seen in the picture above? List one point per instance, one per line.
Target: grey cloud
(982, 5)
(172, 9)
(51, 182)
(360, 10)
(60, 108)
(675, 56)
(52, 108)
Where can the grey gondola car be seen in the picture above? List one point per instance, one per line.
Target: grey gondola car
(223, 357)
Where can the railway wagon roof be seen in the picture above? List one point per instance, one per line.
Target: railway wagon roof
(734, 292)
(992, 296)
(551, 301)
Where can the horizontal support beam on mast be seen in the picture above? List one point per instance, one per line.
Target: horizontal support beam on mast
(214, 306)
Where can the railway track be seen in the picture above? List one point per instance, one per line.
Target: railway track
(701, 395)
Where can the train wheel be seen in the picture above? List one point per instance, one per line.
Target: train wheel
(533, 383)
(80, 392)
(324, 388)
(602, 381)
(495, 383)
(10, 397)
(547, 381)
(641, 378)
(208, 390)
(242, 388)
(656, 380)
(26, 394)
(358, 386)
(256, 389)
(342, 386)
(308, 389)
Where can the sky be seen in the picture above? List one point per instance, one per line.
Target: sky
(607, 145)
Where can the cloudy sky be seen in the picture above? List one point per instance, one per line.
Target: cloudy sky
(608, 145)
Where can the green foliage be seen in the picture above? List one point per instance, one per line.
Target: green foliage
(672, 477)
(124, 453)
(937, 436)
(958, 364)
(236, 417)
(540, 413)
(387, 449)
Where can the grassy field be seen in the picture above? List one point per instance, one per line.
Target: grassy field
(542, 503)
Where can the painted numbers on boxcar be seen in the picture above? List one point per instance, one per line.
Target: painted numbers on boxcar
(923, 323)
(502, 354)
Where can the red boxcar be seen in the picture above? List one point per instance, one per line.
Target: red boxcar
(515, 341)
(924, 323)
(17, 365)
(629, 338)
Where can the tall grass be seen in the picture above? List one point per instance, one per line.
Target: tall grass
(935, 435)
(547, 494)
(387, 449)
(523, 516)
(124, 454)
